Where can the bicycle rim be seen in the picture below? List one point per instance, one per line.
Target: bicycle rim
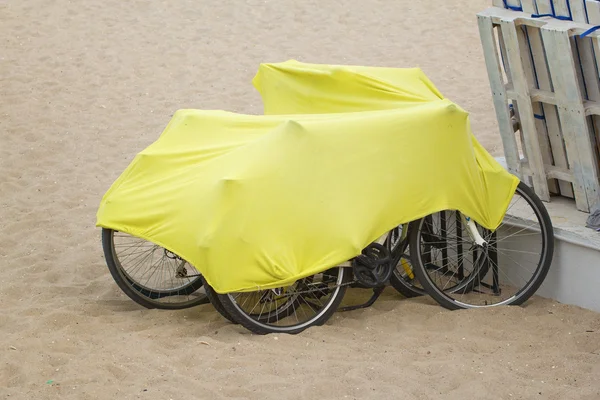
(508, 272)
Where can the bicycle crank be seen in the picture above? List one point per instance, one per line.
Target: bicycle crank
(373, 267)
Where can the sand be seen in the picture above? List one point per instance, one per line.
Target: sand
(84, 86)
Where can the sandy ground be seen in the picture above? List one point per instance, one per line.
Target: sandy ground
(85, 85)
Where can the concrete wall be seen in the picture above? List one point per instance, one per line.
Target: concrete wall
(574, 276)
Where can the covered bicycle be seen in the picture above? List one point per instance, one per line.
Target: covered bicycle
(279, 213)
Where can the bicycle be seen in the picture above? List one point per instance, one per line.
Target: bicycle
(311, 301)
(374, 266)
(141, 282)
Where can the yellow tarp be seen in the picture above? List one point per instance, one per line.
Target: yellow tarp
(345, 154)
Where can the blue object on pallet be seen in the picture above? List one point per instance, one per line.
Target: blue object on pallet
(553, 15)
(514, 8)
(586, 33)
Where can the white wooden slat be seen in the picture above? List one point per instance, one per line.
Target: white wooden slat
(523, 150)
(586, 53)
(527, 120)
(493, 66)
(545, 96)
(502, 49)
(572, 115)
(561, 8)
(525, 169)
(537, 107)
(591, 107)
(560, 173)
(578, 10)
(525, 174)
(554, 140)
(587, 58)
(593, 11)
(528, 6)
(543, 6)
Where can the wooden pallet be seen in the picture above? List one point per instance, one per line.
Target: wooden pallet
(544, 76)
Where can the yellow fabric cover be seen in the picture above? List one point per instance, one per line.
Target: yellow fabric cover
(293, 87)
(259, 201)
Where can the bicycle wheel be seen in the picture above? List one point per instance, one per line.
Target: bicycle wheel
(507, 271)
(403, 278)
(151, 275)
(307, 302)
(216, 303)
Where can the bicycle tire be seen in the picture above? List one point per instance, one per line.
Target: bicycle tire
(261, 328)
(398, 280)
(445, 299)
(137, 292)
(216, 303)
